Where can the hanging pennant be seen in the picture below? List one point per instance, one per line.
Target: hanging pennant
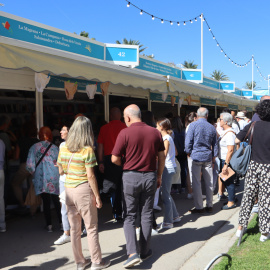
(173, 99)
(180, 102)
(164, 96)
(104, 88)
(70, 89)
(91, 90)
(41, 81)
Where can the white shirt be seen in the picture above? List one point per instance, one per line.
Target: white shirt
(242, 123)
(228, 138)
(170, 158)
(235, 128)
(62, 177)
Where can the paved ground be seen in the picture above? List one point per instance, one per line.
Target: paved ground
(192, 244)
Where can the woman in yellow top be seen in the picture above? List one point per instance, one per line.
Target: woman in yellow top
(77, 160)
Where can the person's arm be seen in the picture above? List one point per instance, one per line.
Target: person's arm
(100, 157)
(60, 168)
(189, 140)
(228, 158)
(160, 168)
(93, 184)
(116, 160)
(214, 147)
(167, 146)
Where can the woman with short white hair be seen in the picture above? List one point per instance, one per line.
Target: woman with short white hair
(226, 150)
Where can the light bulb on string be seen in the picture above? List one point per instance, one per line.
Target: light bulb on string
(153, 17)
(214, 37)
(171, 22)
(217, 44)
(195, 19)
(184, 23)
(162, 21)
(191, 21)
(141, 13)
(178, 23)
(221, 50)
(128, 4)
(225, 55)
(209, 29)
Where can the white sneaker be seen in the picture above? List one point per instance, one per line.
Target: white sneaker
(154, 232)
(177, 219)
(166, 225)
(263, 238)
(156, 207)
(190, 196)
(62, 240)
(138, 231)
(238, 232)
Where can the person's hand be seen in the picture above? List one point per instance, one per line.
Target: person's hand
(225, 169)
(98, 202)
(101, 167)
(159, 180)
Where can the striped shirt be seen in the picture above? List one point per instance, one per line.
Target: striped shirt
(81, 160)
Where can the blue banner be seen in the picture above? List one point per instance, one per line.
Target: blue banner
(210, 83)
(247, 93)
(158, 97)
(150, 65)
(121, 54)
(192, 75)
(207, 101)
(238, 92)
(19, 30)
(227, 86)
(232, 107)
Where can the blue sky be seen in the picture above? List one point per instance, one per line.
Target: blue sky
(241, 28)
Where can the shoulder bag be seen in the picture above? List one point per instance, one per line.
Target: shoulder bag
(241, 158)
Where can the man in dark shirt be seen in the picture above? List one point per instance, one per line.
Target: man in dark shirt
(141, 148)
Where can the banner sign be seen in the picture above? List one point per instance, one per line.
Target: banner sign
(158, 97)
(249, 109)
(59, 82)
(158, 67)
(192, 75)
(221, 104)
(238, 92)
(125, 55)
(233, 107)
(206, 101)
(210, 83)
(16, 28)
(247, 93)
(227, 86)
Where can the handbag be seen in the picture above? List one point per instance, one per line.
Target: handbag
(177, 176)
(241, 158)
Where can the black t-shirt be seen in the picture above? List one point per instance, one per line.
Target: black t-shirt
(260, 142)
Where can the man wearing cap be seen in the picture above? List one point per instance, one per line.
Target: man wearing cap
(240, 117)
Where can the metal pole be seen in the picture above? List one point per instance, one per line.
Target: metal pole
(252, 73)
(202, 44)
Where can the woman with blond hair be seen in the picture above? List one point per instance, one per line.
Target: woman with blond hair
(77, 160)
(42, 157)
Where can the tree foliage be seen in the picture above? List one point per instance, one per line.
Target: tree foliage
(218, 75)
(248, 85)
(132, 42)
(190, 65)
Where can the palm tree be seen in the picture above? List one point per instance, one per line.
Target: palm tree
(219, 76)
(132, 42)
(189, 64)
(248, 85)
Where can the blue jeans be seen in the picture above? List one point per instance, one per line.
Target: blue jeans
(170, 211)
(229, 184)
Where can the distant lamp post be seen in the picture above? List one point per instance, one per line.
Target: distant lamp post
(268, 85)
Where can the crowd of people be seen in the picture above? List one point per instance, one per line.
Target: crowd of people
(138, 158)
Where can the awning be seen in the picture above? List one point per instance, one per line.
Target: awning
(69, 64)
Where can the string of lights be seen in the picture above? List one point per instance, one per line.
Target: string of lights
(195, 19)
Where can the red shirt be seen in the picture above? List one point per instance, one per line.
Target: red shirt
(139, 144)
(108, 134)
